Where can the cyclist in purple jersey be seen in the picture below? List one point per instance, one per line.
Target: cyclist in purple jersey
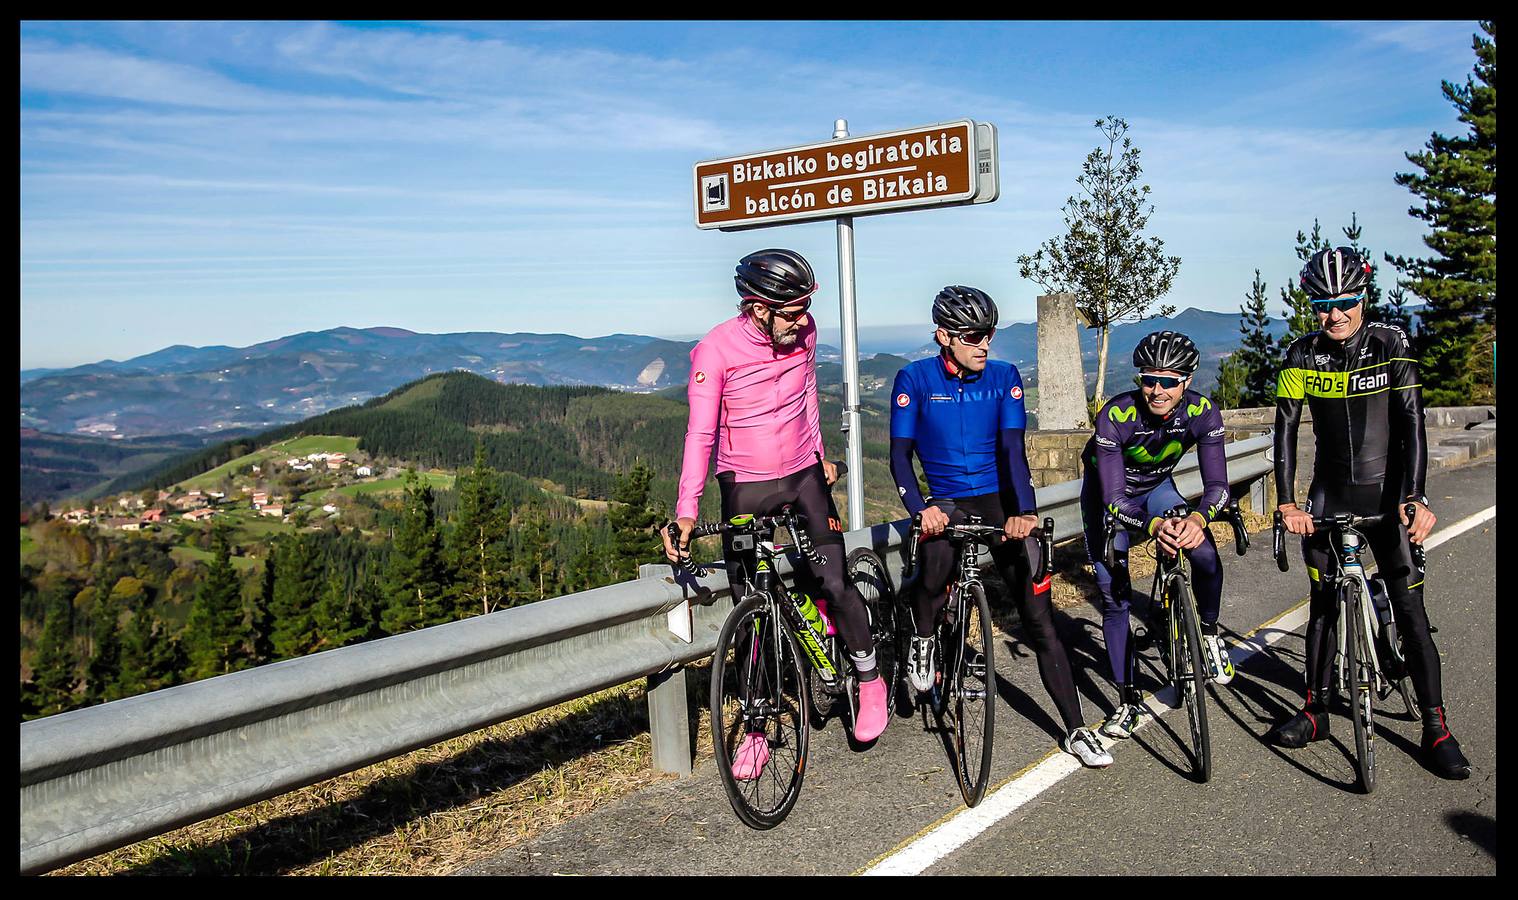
(1140, 437)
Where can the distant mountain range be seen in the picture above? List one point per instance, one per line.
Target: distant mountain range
(183, 390)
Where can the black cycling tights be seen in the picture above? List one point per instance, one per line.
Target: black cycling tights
(1404, 584)
(1015, 561)
(807, 492)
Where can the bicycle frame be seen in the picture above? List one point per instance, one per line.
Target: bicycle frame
(1349, 549)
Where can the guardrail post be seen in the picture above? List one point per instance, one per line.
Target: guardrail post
(669, 722)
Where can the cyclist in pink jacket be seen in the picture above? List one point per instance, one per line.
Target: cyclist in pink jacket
(753, 397)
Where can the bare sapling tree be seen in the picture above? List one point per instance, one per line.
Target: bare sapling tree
(1115, 272)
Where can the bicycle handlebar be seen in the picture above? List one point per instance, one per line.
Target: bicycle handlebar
(1230, 514)
(786, 519)
(984, 534)
(1335, 522)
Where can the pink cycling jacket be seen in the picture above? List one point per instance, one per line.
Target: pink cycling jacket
(758, 406)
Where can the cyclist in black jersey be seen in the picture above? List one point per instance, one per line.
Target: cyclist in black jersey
(1361, 383)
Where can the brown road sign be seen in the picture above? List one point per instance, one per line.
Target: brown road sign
(935, 165)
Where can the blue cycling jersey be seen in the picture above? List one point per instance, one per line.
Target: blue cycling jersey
(956, 422)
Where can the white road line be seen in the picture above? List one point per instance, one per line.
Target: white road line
(958, 830)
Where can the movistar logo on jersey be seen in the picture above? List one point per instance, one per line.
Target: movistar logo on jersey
(1196, 409)
(1117, 414)
(1171, 450)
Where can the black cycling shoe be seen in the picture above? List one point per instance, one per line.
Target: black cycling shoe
(1441, 752)
(1300, 730)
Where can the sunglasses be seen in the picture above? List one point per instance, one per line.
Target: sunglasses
(1168, 382)
(974, 338)
(784, 313)
(1343, 304)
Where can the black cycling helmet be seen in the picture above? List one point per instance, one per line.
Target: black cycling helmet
(1168, 350)
(1330, 273)
(775, 277)
(960, 308)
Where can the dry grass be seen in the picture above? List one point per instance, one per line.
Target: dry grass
(427, 812)
(466, 800)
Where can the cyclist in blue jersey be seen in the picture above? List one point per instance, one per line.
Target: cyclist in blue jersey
(1140, 437)
(962, 414)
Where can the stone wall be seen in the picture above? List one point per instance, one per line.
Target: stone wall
(1054, 455)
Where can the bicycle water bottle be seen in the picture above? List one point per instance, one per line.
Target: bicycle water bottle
(811, 634)
(810, 613)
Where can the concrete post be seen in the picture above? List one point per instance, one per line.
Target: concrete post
(1061, 377)
(669, 722)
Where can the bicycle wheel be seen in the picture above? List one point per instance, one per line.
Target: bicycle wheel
(1191, 676)
(1361, 691)
(867, 573)
(972, 695)
(758, 687)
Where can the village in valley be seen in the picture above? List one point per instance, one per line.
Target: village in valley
(301, 481)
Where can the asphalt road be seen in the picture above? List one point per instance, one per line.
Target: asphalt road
(1266, 811)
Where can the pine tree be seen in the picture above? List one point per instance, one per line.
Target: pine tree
(215, 636)
(340, 618)
(476, 549)
(1396, 312)
(105, 651)
(1228, 393)
(1258, 358)
(53, 680)
(296, 583)
(1300, 319)
(261, 614)
(1457, 188)
(137, 674)
(414, 582)
(1372, 290)
(632, 520)
(1103, 258)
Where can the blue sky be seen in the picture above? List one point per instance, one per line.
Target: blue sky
(225, 183)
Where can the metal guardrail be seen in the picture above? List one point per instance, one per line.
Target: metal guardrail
(99, 778)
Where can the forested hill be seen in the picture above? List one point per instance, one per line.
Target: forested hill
(579, 438)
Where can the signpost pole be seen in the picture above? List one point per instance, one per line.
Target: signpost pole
(849, 326)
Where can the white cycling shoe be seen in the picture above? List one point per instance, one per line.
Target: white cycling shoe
(1087, 748)
(1218, 658)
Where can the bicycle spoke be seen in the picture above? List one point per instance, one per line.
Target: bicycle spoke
(758, 688)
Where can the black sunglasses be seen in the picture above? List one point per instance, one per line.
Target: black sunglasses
(791, 316)
(1168, 382)
(974, 338)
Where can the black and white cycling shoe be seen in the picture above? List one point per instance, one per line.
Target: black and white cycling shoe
(1218, 659)
(920, 664)
(1087, 748)
(1122, 722)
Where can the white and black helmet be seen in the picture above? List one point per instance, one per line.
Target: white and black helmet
(1170, 351)
(775, 277)
(1330, 273)
(960, 308)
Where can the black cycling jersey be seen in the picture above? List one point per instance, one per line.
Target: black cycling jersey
(1367, 411)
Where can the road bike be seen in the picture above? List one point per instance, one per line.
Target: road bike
(962, 698)
(1171, 598)
(1360, 676)
(771, 647)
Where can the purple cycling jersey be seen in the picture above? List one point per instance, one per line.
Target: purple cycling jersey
(1133, 452)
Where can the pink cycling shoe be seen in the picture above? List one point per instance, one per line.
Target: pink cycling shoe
(873, 715)
(752, 754)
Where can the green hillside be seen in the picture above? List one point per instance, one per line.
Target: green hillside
(573, 441)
